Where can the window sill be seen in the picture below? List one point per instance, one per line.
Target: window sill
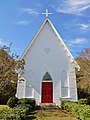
(30, 97)
(66, 97)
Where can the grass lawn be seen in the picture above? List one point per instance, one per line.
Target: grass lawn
(3, 107)
(50, 115)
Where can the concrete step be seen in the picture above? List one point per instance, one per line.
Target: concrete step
(48, 106)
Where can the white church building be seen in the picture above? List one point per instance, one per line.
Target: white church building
(49, 72)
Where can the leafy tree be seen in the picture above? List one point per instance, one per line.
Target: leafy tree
(8, 73)
(83, 76)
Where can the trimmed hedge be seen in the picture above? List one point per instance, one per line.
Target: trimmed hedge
(19, 109)
(83, 101)
(17, 113)
(27, 101)
(12, 102)
(80, 111)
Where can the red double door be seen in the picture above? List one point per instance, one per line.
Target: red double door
(47, 92)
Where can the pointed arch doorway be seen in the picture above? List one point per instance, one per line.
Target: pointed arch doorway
(47, 89)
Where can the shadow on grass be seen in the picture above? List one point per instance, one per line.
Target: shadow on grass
(33, 112)
(31, 116)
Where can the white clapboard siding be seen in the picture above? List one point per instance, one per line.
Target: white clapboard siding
(48, 53)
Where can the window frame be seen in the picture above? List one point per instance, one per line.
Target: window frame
(68, 86)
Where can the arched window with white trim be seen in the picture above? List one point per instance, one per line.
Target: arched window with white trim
(64, 84)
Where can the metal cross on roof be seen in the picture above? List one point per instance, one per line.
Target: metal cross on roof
(47, 13)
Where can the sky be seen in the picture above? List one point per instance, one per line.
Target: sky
(21, 19)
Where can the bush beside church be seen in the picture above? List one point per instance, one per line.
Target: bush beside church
(81, 109)
(18, 109)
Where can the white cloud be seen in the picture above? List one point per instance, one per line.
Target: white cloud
(72, 6)
(69, 44)
(74, 44)
(78, 41)
(84, 26)
(30, 11)
(23, 22)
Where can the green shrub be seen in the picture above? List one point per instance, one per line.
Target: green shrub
(83, 101)
(9, 115)
(80, 111)
(63, 106)
(24, 106)
(17, 113)
(27, 101)
(12, 102)
(84, 112)
(19, 109)
(23, 101)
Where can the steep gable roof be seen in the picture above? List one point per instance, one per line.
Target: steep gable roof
(59, 38)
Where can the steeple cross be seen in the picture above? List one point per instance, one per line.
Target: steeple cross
(47, 13)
